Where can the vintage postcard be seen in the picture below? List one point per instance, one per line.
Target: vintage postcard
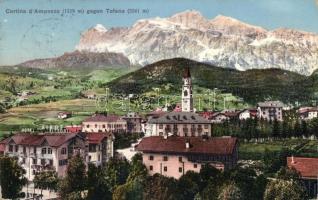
(159, 100)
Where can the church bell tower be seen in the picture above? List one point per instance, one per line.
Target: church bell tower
(187, 100)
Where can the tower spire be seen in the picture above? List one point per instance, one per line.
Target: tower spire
(187, 100)
(186, 73)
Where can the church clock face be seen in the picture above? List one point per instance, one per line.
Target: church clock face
(185, 93)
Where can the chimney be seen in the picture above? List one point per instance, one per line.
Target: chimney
(187, 144)
(293, 161)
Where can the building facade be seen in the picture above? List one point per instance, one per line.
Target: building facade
(180, 124)
(270, 110)
(173, 156)
(52, 151)
(133, 122)
(100, 147)
(308, 113)
(37, 153)
(104, 123)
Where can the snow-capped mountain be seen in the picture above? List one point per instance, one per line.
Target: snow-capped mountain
(222, 41)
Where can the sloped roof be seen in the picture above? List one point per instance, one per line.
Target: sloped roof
(96, 138)
(73, 129)
(177, 145)
(103, 118)
(270, 104)
(307, 167)
(54, 140)
(179, 118)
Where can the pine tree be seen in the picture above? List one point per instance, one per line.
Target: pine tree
(74, 184)
(11, 178)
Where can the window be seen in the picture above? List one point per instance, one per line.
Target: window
(160, 126)
(24, 149)
(63, 151)
(185, 93)
(16, 148)
(49, 150)
(95, 125)
(87, 126)
(43, 150)
(150, 157)
(42, 161)
(34, 161)
(195, 166)
(165, 168)
(180, 159)
(62, 162)
(104, 126)
(51, 162)
(23, 160)
(98, 157)
(33, 172)
(206, 126)
(150, 167)
(92, 148)
(10, 148)
(165, 158)
(180, 169)
(34, 150)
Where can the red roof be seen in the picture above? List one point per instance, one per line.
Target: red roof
(53, 140)
(175, 144)
(307, 167)
(96, 138)
(73, 129)
(102, 118)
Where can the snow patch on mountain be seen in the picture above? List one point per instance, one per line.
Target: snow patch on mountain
(223, 41)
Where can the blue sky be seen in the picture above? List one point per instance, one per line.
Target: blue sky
(29, 36)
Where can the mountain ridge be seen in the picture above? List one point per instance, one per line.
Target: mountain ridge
(252, 85)
(222, 41)
(78, 59)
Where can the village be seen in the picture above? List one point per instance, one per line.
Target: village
(170, 142)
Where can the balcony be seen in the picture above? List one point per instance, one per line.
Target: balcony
(23, 154)
(44, 156)
(12, 154)
(43, 167)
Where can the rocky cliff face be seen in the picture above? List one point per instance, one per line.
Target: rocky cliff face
(80, 59)
(222, 41)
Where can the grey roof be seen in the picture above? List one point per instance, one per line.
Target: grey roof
(179, 118)
(270, 104)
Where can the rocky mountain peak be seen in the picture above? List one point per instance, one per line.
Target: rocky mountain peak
(190, 18)
(100, 28)
(222, 41)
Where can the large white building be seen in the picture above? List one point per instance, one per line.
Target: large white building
(104, 123)
(52, 151)
(184, 123)
(173, 156)
(270, 110)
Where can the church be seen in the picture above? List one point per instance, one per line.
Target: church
(185, 123)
